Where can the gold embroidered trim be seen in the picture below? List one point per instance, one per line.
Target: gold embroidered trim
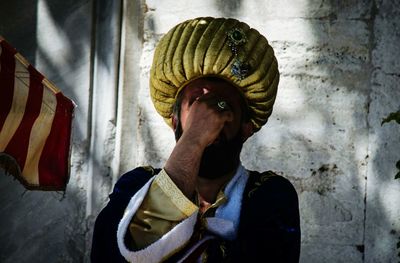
(175, 194)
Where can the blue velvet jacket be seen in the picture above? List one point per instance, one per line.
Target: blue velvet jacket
(269, 229)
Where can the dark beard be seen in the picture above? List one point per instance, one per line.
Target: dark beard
(220, 158)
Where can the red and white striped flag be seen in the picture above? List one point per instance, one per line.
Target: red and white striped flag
(35, 124)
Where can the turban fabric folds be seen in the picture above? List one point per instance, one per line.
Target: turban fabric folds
(215, 47)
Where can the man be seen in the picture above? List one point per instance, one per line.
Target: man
(214, 81)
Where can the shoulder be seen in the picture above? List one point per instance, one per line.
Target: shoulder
(268, 187)
(270, 222)
(129, 183)
(269, 182)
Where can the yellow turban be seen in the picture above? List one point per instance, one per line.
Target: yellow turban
(215, 47)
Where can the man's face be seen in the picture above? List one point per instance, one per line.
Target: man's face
(222, 156)
(222, 91)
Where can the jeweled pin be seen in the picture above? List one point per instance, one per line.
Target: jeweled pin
(240, 69)
(236, 39)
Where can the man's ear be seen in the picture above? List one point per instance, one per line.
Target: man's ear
(247, 130)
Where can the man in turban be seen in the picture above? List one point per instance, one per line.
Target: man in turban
(214, 81)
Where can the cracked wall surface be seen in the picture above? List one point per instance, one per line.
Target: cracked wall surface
(340, 76)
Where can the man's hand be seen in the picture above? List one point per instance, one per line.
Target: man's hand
(202, 122)
(205, 120)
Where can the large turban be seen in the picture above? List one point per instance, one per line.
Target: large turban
(215, 47)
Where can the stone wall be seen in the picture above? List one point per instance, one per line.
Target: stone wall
(340, 77)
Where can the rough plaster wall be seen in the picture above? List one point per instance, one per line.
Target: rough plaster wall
(40, 226)
(382, 228)
(339, 78)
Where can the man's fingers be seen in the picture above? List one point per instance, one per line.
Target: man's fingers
(214, 102)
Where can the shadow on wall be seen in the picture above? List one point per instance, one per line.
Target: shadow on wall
(319, 132)
(330, 126)
(229, 7)
(23, 20)
(347, 55)
(40, 225)
(57, 37)
(54, 36)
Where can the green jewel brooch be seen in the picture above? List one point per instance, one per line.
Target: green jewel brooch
(237, 38)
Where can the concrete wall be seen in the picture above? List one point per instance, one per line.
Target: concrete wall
(339, 77)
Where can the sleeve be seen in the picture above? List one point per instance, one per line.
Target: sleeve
(104, 241)
(161, 210)
(270, 223)
(158, 219)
